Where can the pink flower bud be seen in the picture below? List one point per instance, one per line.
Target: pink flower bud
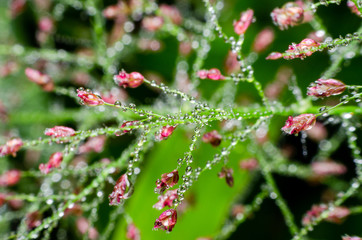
(263, 40)
(274, 56)
(166, 199)
(46, 25)
(328, 168)
(83, 227)
(301, 50)
(132, 80)
(213, 137)
(168, 180)
(128, 124)
(202, 74)
(89, 98)
(132, 232)
(336, 215)
(43, 80)
(249, 164)
(291, 14)
(10, 178)
(123, 189)
(227, 173)
(54, 162)
(166, 131)
(11, 147)
(299, 123)
(172, 13)
(59, 131)
(33, 220)
(242, 25)
(166, 221)
(94, 144)
(214, 74)
(152, 24)
(326, 88)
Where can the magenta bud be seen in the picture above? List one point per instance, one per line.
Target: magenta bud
(43, 80)
(166, 199)
(54, 162)
(291, 14)
(274, 56)
(166, 131)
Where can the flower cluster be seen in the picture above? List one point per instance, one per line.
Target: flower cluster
(301, 50)
(291, 14)
(336, 215)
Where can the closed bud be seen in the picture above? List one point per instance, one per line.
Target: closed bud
(54, 162)
(165, 132)
(89, 98)
(166, 199)
(274, 56)
(167, 180)
(243, 23)
(326, 88)
(336, 215)
(59, 131)
(11, 147)
(263, 40)
(166, 221)
(10, 178)
(227, 173)
(291, 14)
(299, 123)
(123, 189)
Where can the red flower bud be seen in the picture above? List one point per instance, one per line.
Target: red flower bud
(10, 178)
(46, 24)
(123, 189)
(89, 98)
(335, 216)
(227, 173)
(202, 74)
(213, 137)
(43, 80)
(11, 147)
(291, 14)
(167, 180)
(132, 80)
(166, 131)
(299, 123)
(59, 131)
(326, 88)
(54, 162)
(263, 40)
(242, 25)
(166, 221)
(166, 199)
